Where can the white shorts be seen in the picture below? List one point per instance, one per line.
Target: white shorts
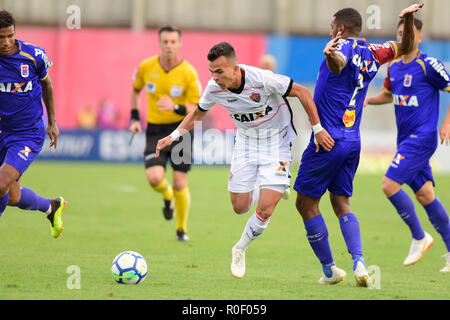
(250, 169)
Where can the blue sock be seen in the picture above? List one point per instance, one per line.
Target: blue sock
(405, 208)
(317, 234)
(3, 203)
(439, 219)
(352, 236)
(29, 200)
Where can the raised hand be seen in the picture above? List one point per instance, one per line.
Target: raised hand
(411, 9)
(332, 44)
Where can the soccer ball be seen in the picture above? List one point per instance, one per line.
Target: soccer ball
(129, 267)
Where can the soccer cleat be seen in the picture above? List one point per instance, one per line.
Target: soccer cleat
(168, 209)
(447, 263)
(286, 194)
(337, 276)
(417, 250)
(362, 276)
(181, 236)
(238, 263)
(55, 216)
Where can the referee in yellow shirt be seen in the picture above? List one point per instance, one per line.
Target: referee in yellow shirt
(173, 90)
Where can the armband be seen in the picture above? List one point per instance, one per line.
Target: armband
(179, 109)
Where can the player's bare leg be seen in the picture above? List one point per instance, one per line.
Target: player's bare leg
(255, 226)
(317, 234)
(421, 240)
(156, 178)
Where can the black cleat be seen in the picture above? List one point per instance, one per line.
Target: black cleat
(181, 236)
(168, 209)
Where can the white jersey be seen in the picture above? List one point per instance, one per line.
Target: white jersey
(259, 108)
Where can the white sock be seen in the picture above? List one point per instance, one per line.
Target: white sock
(253, 229)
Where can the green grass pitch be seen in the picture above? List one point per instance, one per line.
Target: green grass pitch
(112, 209)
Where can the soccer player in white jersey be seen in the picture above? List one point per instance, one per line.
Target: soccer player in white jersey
(257, 103)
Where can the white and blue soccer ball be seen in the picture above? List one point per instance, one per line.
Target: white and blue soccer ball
(129, 267)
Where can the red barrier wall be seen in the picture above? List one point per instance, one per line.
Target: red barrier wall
(94, 64)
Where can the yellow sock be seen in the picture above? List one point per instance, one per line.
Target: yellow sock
(182, 203)
(165, 189)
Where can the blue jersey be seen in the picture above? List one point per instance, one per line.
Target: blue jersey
(340, 97)
(20, 90)
(415, 91)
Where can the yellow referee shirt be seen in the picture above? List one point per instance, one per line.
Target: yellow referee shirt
(180, 83)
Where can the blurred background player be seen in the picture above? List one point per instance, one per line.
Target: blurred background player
(268, 62)
(344, 75)
(413, 83)
(173, 90)
(256, 100)
(24, 83)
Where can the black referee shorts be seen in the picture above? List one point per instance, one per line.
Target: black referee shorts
(179, 153)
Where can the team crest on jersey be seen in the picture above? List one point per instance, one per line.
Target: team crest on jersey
(175, 91)
(24, 70)
(151, 87)
(349, 118)
(255, 97)
(407, 81)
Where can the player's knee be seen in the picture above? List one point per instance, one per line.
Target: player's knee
(425, 198)
(240, 209)
(389, 187)
(265, 212)
(179, 183)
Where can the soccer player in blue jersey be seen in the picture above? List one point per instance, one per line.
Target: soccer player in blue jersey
(24, 82)
(344, 75)
(413, 83)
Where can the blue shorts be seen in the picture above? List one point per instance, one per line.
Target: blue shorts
(332, 170)
(411, 164)
(20, 149)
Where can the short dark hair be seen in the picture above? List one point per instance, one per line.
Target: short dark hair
(170, 29)
(6, 19)
(221, 49)
(417, 23)
(350, 18)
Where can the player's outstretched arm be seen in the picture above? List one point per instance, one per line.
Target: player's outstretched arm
(322, 137)
(49, 101)
(444, 132)
(185, 126)
(382, 98)
(407, 43)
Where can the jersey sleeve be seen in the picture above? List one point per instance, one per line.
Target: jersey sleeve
(345, 49)
(194, 88)
(43, 63)
(206, 102)
(277, 83)
(385, 52)
(138, 79)
(436, 74)
(387, 83)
